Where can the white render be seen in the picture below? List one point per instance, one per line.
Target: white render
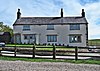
(34, 30)
(62, 32)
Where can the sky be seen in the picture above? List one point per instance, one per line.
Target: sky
(49, 8)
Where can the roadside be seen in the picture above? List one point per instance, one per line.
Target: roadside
(45, 66)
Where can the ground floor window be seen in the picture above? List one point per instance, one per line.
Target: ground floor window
(25, 36)
(75, 38)
(29, 36)
(51, 38)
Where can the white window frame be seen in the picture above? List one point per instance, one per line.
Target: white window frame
(51, 38)
(50, 27)
(26, 27)
(74, 26)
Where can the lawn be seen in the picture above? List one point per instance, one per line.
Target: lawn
(40, 47)
(95, 42)
(47, 60)
(50, 60)
(29, 45)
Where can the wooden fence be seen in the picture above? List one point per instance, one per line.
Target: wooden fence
(77, 51)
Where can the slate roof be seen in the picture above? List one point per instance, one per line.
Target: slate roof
(50, 20)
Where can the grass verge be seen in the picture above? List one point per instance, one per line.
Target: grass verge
(39, 47)
(50, 60)
(29, 45)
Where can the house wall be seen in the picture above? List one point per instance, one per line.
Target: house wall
(62, 32)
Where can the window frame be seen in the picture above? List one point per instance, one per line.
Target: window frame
(26, 27)
(74, 36)
(25, 37)
(51, 38)
(74, 26)
(50, 26)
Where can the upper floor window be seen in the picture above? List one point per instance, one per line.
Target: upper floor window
(29, 36)
(75, 27)
(26, 27)
(50, 27)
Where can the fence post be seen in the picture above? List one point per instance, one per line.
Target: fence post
(15, 51)
(34, 50)
(76, 53)
(0, 51)
(54, 52)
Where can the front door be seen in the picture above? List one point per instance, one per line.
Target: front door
(18, 38)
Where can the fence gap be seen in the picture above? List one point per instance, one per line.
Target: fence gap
(15, 50)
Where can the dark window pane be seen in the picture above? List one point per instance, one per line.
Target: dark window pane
(25, 36)
(75, 27)
(74, 38)
(50, 27)
(26, 27)
(51, 38)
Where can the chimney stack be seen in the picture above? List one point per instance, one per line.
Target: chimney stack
(83, 13)
(61, 12)
(18, 14)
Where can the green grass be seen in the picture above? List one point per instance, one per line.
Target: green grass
(50, 60)
(29, 59)
(0, 48)
(49, 47)
(29, 45)
(94, 42)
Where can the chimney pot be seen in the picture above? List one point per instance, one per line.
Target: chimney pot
(18, 14)
(61, 12)
(83, 13)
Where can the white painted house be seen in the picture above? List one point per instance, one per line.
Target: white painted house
(72, 31)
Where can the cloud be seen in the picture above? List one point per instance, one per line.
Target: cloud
(93, 16)
(73, 7)
(7, 10)
(83, 2)
(47, 8)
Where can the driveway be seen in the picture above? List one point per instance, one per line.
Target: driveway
(45, 66)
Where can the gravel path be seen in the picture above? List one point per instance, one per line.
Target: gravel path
(45, 66)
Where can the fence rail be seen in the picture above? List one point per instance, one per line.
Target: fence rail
(77, 51)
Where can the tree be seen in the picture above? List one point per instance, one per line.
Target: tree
(5, 28)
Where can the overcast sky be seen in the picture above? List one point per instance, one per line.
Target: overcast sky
(8, 9)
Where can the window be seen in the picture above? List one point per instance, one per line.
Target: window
(74, 38)
(50, 27)
(51, 38)
(75, 27)
(25, 36)
(32, 36)
(26, 27)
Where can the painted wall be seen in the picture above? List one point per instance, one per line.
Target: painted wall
(62, 32)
